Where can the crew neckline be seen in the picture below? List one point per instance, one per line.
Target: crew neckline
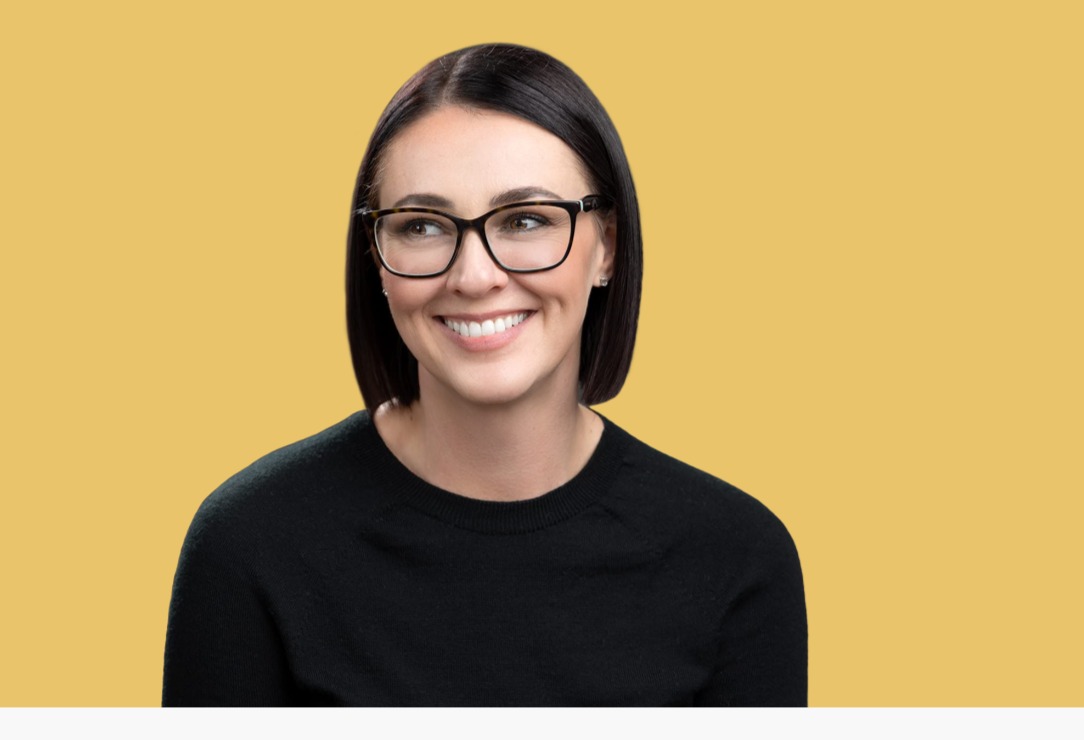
(502, 517)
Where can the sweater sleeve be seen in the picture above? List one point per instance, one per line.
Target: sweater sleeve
(763, 654)
(222, 648)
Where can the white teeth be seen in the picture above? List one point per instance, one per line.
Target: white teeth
(485, 328)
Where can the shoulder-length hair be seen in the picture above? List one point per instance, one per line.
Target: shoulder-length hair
(538, 88)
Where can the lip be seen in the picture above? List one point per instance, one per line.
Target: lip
(486, 343)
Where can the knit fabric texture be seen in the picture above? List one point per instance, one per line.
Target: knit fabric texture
(328, 574)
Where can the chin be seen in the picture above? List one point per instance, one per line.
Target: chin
(493, 394)
(497, 386)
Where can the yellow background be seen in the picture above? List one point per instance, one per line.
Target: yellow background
(863, 228)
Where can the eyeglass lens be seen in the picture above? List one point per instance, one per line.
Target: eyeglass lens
(530, 237)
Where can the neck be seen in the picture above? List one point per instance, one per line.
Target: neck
(500, 452)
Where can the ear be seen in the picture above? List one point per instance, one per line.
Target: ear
(609, 249)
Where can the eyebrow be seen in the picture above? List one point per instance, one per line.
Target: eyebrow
(428, 200)
(513, 195)
(531, 192)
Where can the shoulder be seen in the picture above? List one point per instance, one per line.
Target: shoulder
(295, 487)
(681, 505)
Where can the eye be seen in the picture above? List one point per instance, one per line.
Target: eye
(525, 221)
(421, 228)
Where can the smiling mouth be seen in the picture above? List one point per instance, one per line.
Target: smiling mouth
(487, 327)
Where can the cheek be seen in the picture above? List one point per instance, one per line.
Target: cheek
(406, 293)
(590, 245)
(407, 299)
(568, 286)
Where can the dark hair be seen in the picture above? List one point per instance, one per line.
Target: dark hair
(538, 88)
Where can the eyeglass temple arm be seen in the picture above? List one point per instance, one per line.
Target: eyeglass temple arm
(591, 202)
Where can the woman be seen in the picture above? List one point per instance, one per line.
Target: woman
(483, 537)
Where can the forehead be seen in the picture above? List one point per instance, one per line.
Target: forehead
(468, 156)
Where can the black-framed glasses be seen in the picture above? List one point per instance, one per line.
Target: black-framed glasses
(529, 236)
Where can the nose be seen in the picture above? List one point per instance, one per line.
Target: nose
(474, 272)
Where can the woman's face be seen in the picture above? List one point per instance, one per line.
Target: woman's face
(466, 162)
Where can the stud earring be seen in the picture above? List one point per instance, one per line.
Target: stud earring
(384, 291)
(603, 281)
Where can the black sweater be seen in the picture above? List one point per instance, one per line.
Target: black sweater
(326, 573)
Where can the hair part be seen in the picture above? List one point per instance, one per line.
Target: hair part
(536, 87)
